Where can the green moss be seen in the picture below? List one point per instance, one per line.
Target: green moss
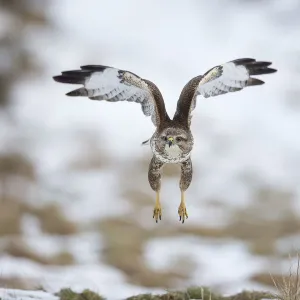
(167, 296)
(68, 294)
(251, 295)
(202, 293)
(144, 297)
(191, 293)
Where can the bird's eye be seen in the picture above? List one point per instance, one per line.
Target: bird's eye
(164, 138)
(178, 139)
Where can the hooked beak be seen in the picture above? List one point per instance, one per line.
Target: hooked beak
(170, 141)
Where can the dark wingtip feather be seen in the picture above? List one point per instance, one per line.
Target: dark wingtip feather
(261, 71)
(77, 73)
(73, 76)
(255, 67)
(78, 92)
(94, 67)
(242, 61)
(254, 81)
(69, 79)
(57, 78)
(259, 64)
(259, 67)
(271, 70)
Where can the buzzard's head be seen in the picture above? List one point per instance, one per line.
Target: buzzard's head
(175, 138)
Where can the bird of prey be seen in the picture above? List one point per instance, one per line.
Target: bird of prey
(172, 142)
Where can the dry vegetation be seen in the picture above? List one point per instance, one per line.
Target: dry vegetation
(19, 248)
(17, 172)
(53, 220)
(288, 287)
(91, 154)
(203, 293)
(14, 282)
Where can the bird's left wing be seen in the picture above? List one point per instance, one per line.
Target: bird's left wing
(232, 76)
(111, 84)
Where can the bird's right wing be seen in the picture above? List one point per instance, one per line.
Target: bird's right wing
(113, 85)
(229, 77)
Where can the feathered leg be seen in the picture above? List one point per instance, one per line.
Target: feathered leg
(154, 177)
(185, 181)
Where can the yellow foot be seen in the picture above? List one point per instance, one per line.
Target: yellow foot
(157, 213)
(182, 212)
(157, 209)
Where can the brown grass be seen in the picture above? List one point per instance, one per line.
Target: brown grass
(53, 220)
(18, 248)
(288, 288)
(63, 258)
(16, 164)
(18, 283)
(266, 219)
(11, 212)
(91, 152)
(125, 241)
(266, 278)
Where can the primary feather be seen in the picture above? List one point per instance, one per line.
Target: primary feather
(113, 85)
(232, 76)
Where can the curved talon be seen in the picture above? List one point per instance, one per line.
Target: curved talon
(182, 212)
(157, 209)
(157, 214)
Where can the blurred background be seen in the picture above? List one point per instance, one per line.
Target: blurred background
(75, 203)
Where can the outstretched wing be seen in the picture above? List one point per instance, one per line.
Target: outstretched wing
(232, 76)
(111, 84)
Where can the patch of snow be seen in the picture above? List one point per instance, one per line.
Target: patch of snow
(14, 294)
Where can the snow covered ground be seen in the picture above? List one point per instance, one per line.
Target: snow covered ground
(10, 294)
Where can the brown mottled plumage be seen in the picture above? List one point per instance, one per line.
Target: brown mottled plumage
(172, 141)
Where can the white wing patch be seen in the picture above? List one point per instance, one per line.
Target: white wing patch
(111, 84)
(232, 76)
(106, 85)
(223, 79)
(130, 88)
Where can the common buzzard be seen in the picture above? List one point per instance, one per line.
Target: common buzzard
(172, 141)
